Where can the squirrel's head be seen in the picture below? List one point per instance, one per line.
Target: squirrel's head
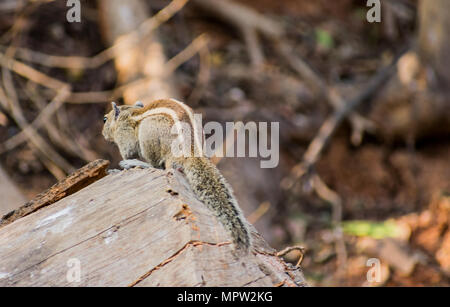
(117, 114)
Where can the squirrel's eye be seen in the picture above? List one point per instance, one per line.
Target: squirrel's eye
(105, 119)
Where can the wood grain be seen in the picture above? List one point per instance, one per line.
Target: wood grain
(133, 228)
(73, 183)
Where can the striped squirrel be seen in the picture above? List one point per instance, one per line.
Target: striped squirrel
(145, 134)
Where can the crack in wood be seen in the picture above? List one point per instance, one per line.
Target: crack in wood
(255, 280)
(171, 258)
(287, 270)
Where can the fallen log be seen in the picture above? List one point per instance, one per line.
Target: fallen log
(133, 228)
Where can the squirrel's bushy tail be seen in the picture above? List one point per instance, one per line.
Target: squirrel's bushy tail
(214, 191)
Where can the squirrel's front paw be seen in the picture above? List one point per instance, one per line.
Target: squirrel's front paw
(131, 163)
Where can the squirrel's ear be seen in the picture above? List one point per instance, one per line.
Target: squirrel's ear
(116, 109)
(139, 104)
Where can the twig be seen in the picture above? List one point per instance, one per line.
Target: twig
(241, 17)
(248, 22)
(20, 22)
(42, 118)
(63, 89)
(289, 249)
(315, 148)
(47, 153)
(192, 49)
(92, 97)
(330, 196)
(254, 47)
(31, 73)
(259, 212)
(56, 61)
(327, 129)
(11, 5)
(55, 133)
(55, 163)
(155, 84)
(324, 192)
(49, 163)
(127, 41)
(321, 89)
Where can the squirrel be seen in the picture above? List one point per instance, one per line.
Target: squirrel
(144, 137)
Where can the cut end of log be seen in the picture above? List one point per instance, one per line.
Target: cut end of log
(130, 228)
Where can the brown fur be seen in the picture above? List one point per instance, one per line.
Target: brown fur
(164, 103)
